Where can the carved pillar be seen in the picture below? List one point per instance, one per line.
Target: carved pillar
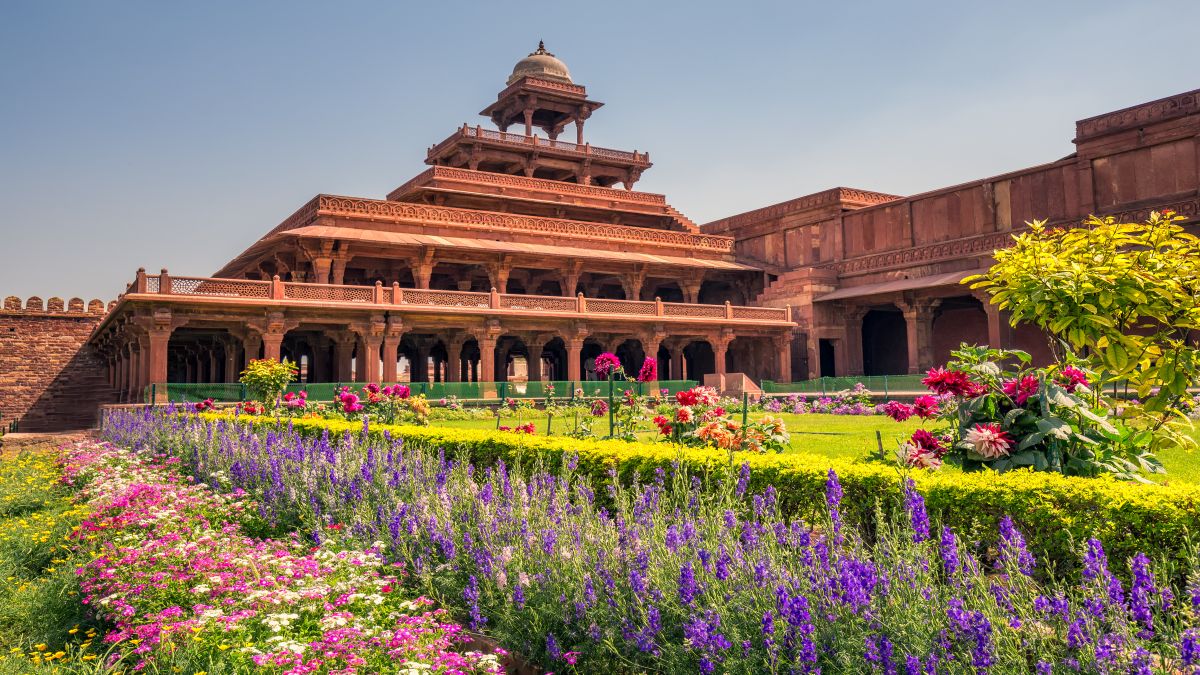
(422, 268)
(783, 352)
(487, 358)
(157, 341)
(231, 360)
(850, 350)
(391, 354)
(213, 371)
(454, 359)
(534, 361)
(918, 320)
(338, 273)
(529, 119)
(498, 274)
(814, 356)
(344, 356)
(371, 344)
(271, 340)
(632, 283)
(999, 329)
(691, 288)
(252, 345)
(321, 268)
(720, 347)
(570, 277)
(574, 346)
(677, 363)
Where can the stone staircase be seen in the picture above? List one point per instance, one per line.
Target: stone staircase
(683, 220)
(785, 286)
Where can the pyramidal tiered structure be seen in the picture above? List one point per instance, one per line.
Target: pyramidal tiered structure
(516, 254)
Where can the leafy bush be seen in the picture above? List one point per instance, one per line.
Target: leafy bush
(1056, 513)
(998, 413)
(1125, 296)
(267, 378)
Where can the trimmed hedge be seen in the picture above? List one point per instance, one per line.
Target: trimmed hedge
(1056, 513)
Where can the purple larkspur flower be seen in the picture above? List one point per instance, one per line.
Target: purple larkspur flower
(688, 589)
(914, 504)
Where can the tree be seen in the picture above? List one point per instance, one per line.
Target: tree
(1122, 297)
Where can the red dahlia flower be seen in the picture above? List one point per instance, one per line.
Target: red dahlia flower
(956, 382)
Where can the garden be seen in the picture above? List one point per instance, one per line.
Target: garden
(1017, 518)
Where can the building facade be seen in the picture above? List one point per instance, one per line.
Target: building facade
(514, 252)
(873, 279)
(518, 253)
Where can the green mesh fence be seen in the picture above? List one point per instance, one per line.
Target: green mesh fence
(879, 384)
(466, 391)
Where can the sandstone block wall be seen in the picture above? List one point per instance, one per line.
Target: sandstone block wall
(49, 379)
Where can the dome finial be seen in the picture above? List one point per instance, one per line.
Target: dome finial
(541, 47)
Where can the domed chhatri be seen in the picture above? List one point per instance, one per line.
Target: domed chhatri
(541, 64)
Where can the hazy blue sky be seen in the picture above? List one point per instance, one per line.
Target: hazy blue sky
(175, 134)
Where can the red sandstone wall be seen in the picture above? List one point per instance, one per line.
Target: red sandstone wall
(50, 380)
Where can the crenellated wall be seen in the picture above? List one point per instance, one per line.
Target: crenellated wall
(49, 379)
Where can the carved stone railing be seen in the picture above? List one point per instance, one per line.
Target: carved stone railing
(420, 214)
(535, 141)
(1187, 103)
(509, 180)
(394, 298)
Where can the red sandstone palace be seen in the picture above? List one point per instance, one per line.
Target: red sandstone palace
(516, 247)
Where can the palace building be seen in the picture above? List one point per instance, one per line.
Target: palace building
(520, 254)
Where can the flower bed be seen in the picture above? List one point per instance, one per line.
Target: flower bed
(695, 571)
(1055, 512)
(184, 589)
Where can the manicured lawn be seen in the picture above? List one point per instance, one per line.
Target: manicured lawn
(845, 437)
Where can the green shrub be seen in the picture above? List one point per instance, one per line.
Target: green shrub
(1057, 513)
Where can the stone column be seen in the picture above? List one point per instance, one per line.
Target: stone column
(213, 369)
(321, 268)
(231, 361)
(421, 364)
(814, 356)
(454, 360)
(999, 329)
(157, 342)
(360, 361)
(391, 353)
(271, 342)
(720, 347)
(143, 365)
(253, 345)
(487, 358)
(574, 351)
(344, 357)
(783, 363)
(918, 320)
(851, 348)
(677, 363)
(534, 365)
(370, 358)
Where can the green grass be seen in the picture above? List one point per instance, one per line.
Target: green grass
(847, 437)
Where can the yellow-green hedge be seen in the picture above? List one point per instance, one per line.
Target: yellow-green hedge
(1056, 513)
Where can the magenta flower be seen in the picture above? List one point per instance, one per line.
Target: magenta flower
(606, 364)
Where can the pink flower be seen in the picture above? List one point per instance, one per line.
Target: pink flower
(649, 371)
(1072, 378)
(917, 457)
(956, 382)
(925, 407)
(988, 441)
(927, 441)
(606, 363)
(684, 415)
(1020, 391)
(571, 657)
(897, 410)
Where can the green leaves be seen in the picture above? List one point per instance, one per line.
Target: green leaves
(1123, 294)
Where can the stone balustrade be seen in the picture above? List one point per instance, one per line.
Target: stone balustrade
(495, 303)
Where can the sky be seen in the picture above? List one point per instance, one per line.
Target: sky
(152, 134)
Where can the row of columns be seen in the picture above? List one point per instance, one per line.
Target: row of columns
(919, 314)
(143, 358)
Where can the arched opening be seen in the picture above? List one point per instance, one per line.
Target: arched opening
(719, 292)
(751, 356)
(668, 291)
(549, 287)
(631, 355)
(512, 359)
(885, 341)
(587, 355)
(554, 360)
